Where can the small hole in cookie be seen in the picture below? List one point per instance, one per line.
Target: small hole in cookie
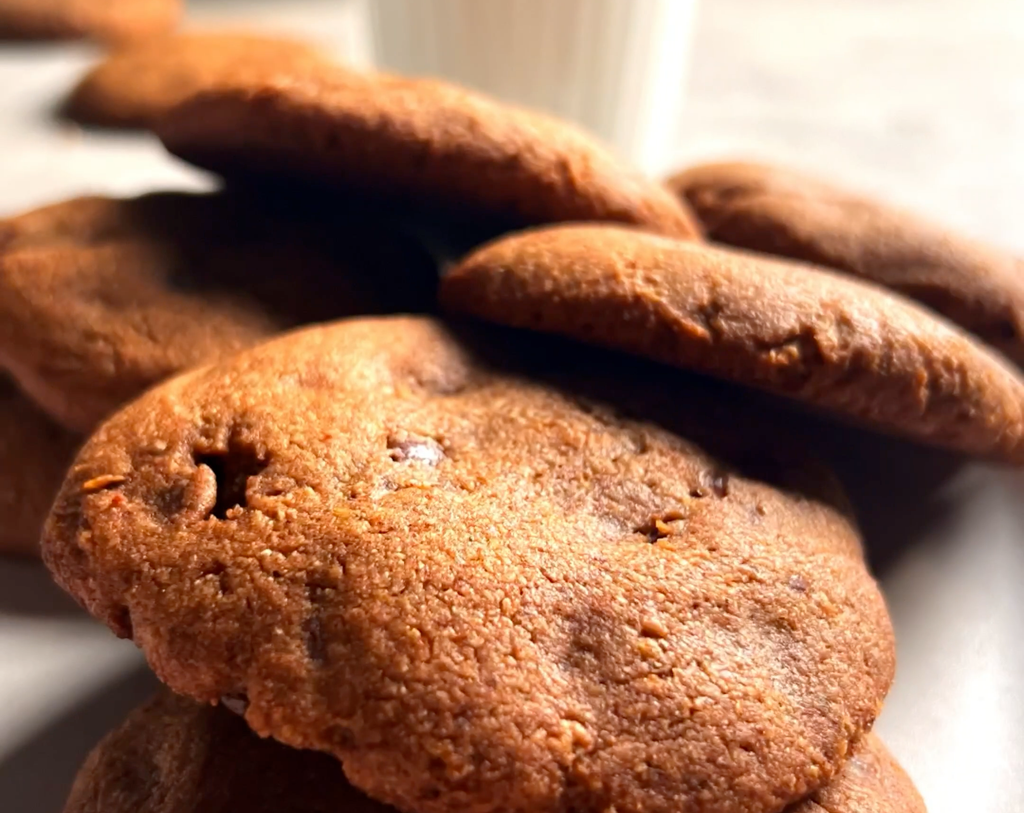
(316, 645)
(232, 470)
(121, 622)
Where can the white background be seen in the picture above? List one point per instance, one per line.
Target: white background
(919, 100)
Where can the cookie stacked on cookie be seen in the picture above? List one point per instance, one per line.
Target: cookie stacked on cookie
(557, 546)
(100, 298)
(173, 754)
(449, 559)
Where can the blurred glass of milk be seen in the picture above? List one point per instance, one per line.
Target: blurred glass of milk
(616, 67)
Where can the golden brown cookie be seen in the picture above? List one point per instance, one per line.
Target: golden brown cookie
(479, 591)
(134, 86)
(173, 755)
(779, 211)
(796, 330)
(112, 20)
(100, 298)
(421, 142)
(34, 456)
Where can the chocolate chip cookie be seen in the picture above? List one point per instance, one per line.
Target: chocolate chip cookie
(780, 211)
(483, 591)
(100, 298)
(795, 330)
(421, 142)
(174, 755)
(34, 456)
(112, 20)
(134, 86)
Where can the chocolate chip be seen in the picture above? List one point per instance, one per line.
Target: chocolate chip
(415, 449)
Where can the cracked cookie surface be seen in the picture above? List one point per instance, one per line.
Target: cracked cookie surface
(173, 755)
(804, 332)
(419, 142)
(478, 590)
(789, 214)
(102, 297)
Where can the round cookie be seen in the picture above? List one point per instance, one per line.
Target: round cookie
(480, 591)
(174, 755)
(34, 457)
(100, 298)
(828, 341)
(779, 211)
(420, 142)
(134, 86)
(112, 20)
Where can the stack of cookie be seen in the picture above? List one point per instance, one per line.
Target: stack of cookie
(557, 543)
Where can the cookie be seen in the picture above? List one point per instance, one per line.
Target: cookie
(174, 755)
(780, 211)
(828, 341)
(34, 456)
(100, 298)
(871, 781)
(134, 86)
(111, 20)
(419, 142)
(481, 591)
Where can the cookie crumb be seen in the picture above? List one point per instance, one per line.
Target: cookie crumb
(102, 482)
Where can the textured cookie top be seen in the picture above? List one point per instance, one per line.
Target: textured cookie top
(137, 84)
(34, 456)
(483, 593)
(795, 330)
(780, 211)
(100, 298)
(422, 142)
(113, 20)
(172, 755)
